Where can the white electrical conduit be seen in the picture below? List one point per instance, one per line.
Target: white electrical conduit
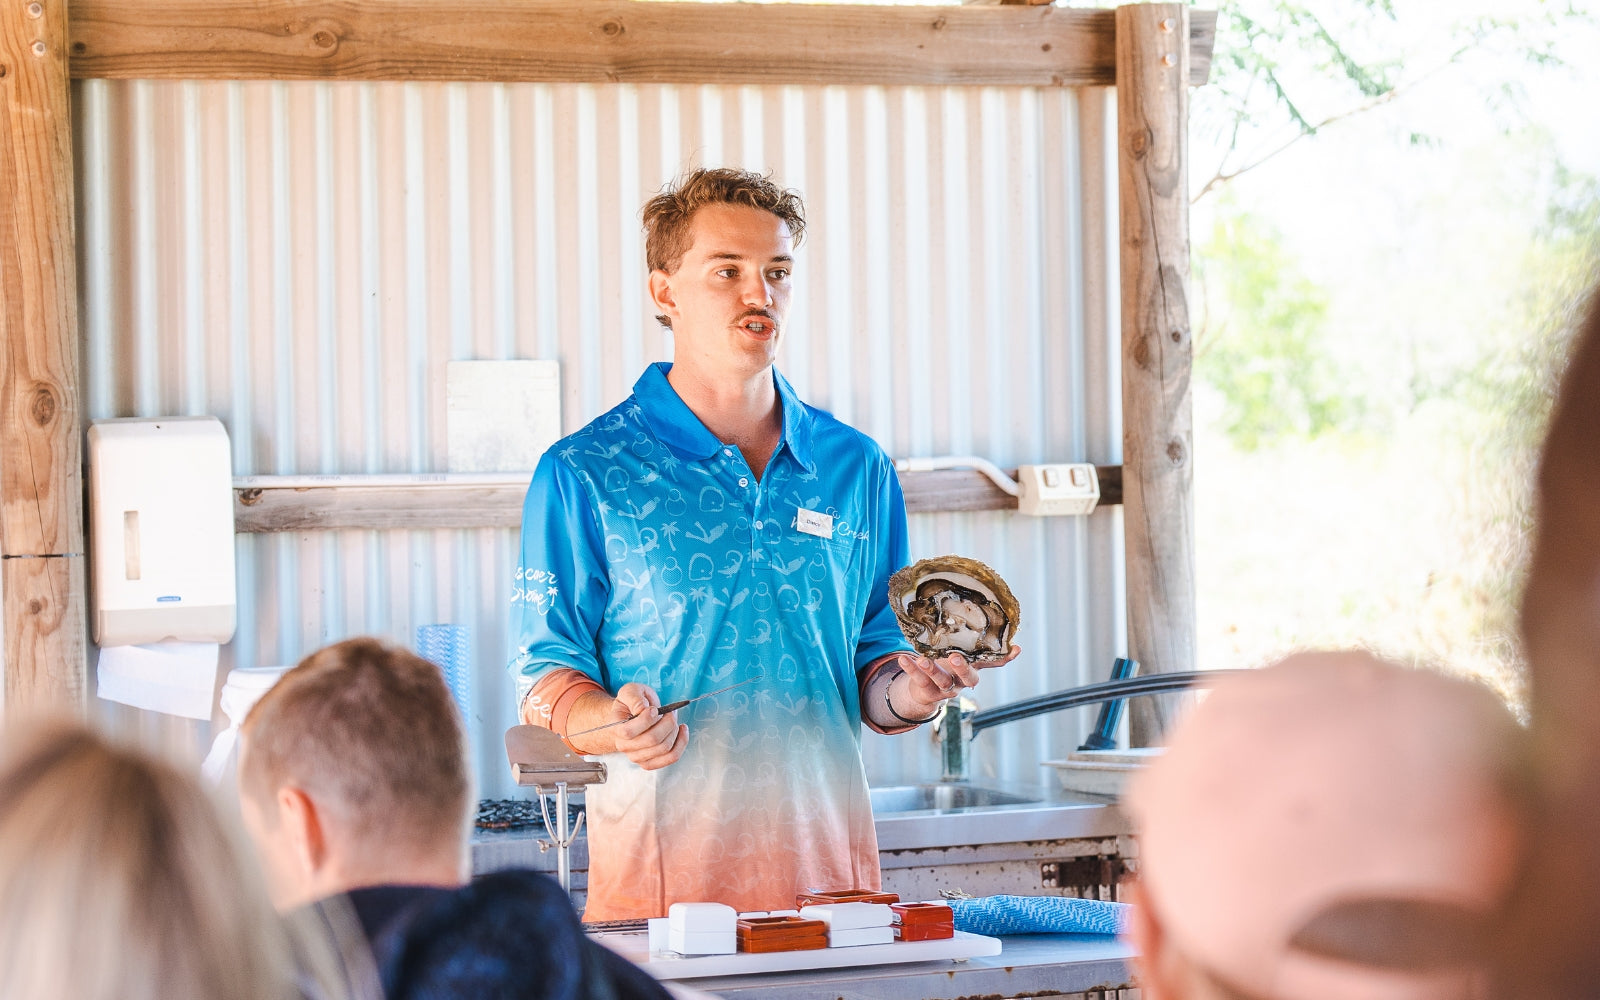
(983, 465)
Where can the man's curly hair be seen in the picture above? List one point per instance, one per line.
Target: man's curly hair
(668, 217)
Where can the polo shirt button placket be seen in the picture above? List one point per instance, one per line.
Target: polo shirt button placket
(756, 522)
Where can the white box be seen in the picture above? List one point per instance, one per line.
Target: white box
(500, 416)
(703, 918)
(708, 943)
(1054, 490)
(660, 933)
(161, 530)
(859, 936)
(850, 916)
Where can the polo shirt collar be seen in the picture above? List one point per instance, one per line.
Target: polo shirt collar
(672, 421)
(796, 422)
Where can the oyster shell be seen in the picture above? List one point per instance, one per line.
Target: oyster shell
(952, 604)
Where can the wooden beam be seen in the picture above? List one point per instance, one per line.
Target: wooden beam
(1157, 349)
(601, 41)
(449, 505)
(41, 487)
(328, 508)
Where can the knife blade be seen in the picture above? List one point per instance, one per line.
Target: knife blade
(672, 707)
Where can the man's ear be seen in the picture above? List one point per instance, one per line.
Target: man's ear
(1145, 933)
(303, 825)
(661, 293)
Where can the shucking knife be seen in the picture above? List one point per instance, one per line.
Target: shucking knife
(672, 707)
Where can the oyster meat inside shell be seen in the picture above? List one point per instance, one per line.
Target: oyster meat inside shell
(951, 604)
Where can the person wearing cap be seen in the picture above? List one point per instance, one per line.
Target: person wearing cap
(713, 529)
(1333, 827)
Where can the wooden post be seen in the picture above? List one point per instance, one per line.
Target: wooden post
(41, 486)
(1157, 350)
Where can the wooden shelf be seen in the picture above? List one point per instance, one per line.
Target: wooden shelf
(387, 505)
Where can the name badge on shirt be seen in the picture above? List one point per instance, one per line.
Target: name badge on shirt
(813, 523)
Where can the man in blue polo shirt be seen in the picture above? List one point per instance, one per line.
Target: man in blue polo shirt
(713, 529)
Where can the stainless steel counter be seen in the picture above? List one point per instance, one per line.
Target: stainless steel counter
(982, 839)
(1029, 813)
(1007, 814)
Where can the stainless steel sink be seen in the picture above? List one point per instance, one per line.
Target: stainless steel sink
(940, 796)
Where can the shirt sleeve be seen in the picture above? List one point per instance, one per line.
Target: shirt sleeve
(560, 588)
(880, 630)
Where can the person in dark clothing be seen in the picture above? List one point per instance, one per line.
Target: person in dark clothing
(476, 941)
(354, 787)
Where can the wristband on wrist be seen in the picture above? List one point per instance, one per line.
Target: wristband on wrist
(889, 704)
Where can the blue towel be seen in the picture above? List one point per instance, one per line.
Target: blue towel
(997, 916)
(450, 648)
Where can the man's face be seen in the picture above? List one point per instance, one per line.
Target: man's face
(729, 299)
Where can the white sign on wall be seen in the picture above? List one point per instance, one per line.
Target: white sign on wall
(501, 415)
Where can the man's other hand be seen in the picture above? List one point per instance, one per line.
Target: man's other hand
(930, 682)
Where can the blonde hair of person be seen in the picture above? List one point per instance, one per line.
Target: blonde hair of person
(118, 881)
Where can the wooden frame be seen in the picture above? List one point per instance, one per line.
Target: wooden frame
(1157, 349)
(602, 41)
(1150, 52)
(41, 485)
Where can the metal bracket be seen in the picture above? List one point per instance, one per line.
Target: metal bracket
(1082, 873)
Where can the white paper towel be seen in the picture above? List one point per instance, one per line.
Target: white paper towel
(244, 687)
(177, 678)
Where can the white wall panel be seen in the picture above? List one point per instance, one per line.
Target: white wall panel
(301, 260)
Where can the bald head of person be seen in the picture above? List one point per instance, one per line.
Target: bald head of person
(1329, 827)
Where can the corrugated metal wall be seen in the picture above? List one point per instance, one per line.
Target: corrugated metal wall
(301, 259)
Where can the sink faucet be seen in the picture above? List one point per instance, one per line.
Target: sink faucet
(952, 732)
(960, 720)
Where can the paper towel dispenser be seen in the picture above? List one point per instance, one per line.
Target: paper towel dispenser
(161, 530)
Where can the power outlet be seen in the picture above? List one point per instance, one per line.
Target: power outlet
(1056, 490)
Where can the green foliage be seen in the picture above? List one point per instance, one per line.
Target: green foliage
(1260, 345)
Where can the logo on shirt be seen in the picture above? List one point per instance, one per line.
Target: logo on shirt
(536, 587)
(813, 522)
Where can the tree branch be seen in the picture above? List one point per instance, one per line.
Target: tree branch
(1223, 175)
